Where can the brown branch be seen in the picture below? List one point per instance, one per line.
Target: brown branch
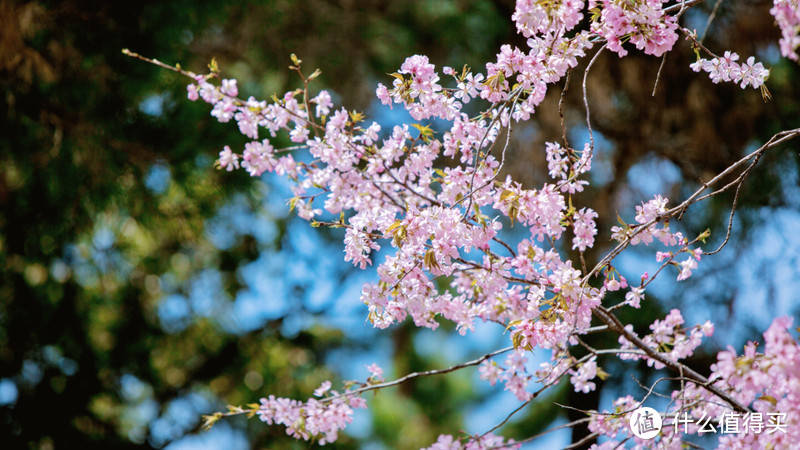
(412, 375)
(614, 324)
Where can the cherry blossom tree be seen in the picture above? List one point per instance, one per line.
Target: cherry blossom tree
(440, 201)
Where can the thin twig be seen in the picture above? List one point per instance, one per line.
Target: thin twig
(533, 397)
(585, 439)
(561, 109)
(586, 99)
(495, 120)
(658, 74)
(776, 140)
(413, 375)
(176, 68)
(559, 427)
(730, 221)
(710, 19)
(613, 322)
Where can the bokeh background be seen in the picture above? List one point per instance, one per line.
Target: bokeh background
(141, 288)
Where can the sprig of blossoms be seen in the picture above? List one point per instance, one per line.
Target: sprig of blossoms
(581, 378)
(317, 420)
(535, 17)
(566, 165)
(489, 441)
(725, 68)
(787, 16)
(441, 221)
(513, 374)
(642, 23)
(669, 338)
(610, 424)
(649, 213)
(417, 87)
(766, 383)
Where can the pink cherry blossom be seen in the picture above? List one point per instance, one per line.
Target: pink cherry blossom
(787, 16)
(435, 203)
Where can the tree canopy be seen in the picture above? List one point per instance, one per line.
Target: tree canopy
(131, 269)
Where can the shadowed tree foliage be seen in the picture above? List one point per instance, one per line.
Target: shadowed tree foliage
(106, 199)
(113, 224)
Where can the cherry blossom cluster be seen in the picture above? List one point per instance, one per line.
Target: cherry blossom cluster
(516, 378)
(421, 93)
(725, 68)
(318, 419)
(766, 383)
(648, 217)
(687, 265)
(649, 226)
(484, 442)
(314, 419)
(513, 374)
(787, 16)
(668, 337)
(581, 378)
(615, 422)
(565, 165)
(534, 17)
(642, 23)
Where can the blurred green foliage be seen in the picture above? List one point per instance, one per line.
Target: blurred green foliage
(107, 192)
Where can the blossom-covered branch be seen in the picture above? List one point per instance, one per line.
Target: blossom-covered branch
(389, 188)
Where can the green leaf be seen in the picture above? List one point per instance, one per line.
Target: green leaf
(513, 211)
(513, 323)
(393, 226)
(430, 260)
(396, 75)
(400, 235)
(210, 419)
(506, 194)
(356, 117)
(213, 66)
(622, 222)
(768, 398)
(424, 131)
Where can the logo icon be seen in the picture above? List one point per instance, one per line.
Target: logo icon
(645, 423)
